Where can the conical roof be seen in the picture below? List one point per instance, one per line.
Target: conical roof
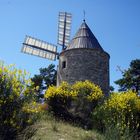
(84, 38)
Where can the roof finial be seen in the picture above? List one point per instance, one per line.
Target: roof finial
(84, 15)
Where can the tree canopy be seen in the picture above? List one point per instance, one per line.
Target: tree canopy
(46, 78)
(130, 77)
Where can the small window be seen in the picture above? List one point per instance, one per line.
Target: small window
(63, 64)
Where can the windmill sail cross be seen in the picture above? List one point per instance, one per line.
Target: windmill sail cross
(47, 50)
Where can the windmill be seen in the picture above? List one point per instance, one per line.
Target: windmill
(81, 59)
(40, 48)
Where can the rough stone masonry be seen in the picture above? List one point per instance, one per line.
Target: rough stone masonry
(84, 59)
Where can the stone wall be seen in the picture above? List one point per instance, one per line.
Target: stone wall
(84, 64)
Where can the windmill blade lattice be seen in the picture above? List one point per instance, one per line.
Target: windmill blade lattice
(39, 48)
(64, 29)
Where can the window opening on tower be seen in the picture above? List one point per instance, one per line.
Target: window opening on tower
(63, 64)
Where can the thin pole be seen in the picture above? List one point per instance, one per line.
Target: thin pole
(84, 13)
(64, 31)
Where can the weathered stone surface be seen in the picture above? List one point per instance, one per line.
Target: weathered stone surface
(85, 64)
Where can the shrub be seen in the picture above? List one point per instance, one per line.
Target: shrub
(74, 102)
(121, 110)
(16, 92)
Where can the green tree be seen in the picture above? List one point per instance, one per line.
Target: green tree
(46, 78)
(111, 89)
(131, 77)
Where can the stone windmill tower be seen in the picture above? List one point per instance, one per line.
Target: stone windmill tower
(81, 59)
(84, 59)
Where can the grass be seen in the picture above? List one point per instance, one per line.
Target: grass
(50, 129)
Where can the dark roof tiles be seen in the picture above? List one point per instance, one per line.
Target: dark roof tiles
(84, 38)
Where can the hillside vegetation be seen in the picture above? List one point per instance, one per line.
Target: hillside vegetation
(69, 112)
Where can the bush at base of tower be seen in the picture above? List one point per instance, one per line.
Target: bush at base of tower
(74, 102)
(120, 111)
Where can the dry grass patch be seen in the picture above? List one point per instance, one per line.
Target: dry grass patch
(51, 129)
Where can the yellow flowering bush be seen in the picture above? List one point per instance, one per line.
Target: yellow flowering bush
(86, 88)
(16, 91)
(73, 101)
(34, 107)
(64, 90)
(121, 110)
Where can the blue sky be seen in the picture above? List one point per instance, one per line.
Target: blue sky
(115, 23)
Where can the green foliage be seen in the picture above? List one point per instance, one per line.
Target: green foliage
(111, 89)
(74, 102)
(16, 91)
(112, 132)
(43, 80)
(121, 110)
(131, 77)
